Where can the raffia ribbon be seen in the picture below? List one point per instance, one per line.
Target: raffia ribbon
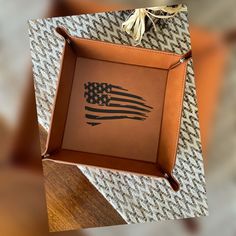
(135, 24)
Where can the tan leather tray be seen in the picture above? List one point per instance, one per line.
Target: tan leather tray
(117, 107)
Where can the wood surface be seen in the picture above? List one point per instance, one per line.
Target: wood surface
(72, 201)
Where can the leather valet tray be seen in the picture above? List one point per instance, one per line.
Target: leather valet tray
(117, 107)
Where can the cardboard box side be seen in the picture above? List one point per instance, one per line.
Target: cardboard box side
(118, 53)
(171, 118)
(107, 162)
(59, 114)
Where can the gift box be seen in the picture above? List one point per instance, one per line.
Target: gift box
(117, 107)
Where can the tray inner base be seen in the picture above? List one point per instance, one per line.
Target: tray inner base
(118, 137)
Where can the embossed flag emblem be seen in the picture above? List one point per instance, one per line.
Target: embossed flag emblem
(106, 101)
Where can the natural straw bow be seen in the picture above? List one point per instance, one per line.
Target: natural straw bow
(135, 25)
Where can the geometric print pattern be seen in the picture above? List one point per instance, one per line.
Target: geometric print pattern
(137, 198)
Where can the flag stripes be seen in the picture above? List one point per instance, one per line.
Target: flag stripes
(111, 102)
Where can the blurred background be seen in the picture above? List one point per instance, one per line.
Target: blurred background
(22, 196)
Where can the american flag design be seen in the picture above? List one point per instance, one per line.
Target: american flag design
(106, 101)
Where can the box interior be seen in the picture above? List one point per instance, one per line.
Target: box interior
(127, 133)
(111, 128)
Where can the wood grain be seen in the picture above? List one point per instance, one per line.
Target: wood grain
(73, 202)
